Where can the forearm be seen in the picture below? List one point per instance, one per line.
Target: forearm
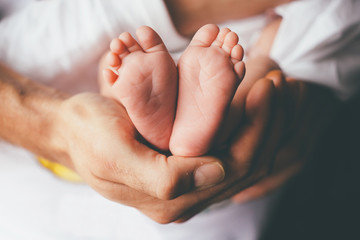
(188, 15)
(28, 114)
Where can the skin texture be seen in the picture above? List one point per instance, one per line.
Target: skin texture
(28, 106)
(143, 77)
(210, 70)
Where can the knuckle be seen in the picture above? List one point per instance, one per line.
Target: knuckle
(242, 163)
(166, 187)
(167, 181)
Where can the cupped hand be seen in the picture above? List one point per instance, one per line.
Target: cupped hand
(102, 146)
(258, 112)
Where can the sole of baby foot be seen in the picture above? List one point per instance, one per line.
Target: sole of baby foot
(210, 70)
(143, 77)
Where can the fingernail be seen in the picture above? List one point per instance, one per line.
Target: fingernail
(208, 175)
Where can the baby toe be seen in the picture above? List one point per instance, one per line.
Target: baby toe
(112, 59)
(219, 41)
(239, 69)
(237, 53)
(109, 76)
(131, 44)
(118, 47)
(149, 40)
(205, 36)
(230, 40)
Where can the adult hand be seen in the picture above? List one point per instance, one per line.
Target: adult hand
(258, 114)
(307, 111)
(103, 146)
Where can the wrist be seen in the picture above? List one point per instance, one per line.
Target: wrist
(54, 145)
(28, 114)
(45, 138)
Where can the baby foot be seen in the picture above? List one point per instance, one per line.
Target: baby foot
(143, 77)
(210, 71)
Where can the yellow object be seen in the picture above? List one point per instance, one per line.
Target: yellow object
(60, 170)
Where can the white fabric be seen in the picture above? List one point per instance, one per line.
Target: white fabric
(36, 205)
(59, 42)
(65, 38)
(68, 37)
(319, 41)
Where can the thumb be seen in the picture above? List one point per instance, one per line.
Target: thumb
(189, 173)
(168, 177)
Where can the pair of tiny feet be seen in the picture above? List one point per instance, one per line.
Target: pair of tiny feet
(177, 108)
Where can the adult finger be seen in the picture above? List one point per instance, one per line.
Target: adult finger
(266, 185)
(274, 136)
(257, 120)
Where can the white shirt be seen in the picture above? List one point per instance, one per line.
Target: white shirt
(319, 41)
